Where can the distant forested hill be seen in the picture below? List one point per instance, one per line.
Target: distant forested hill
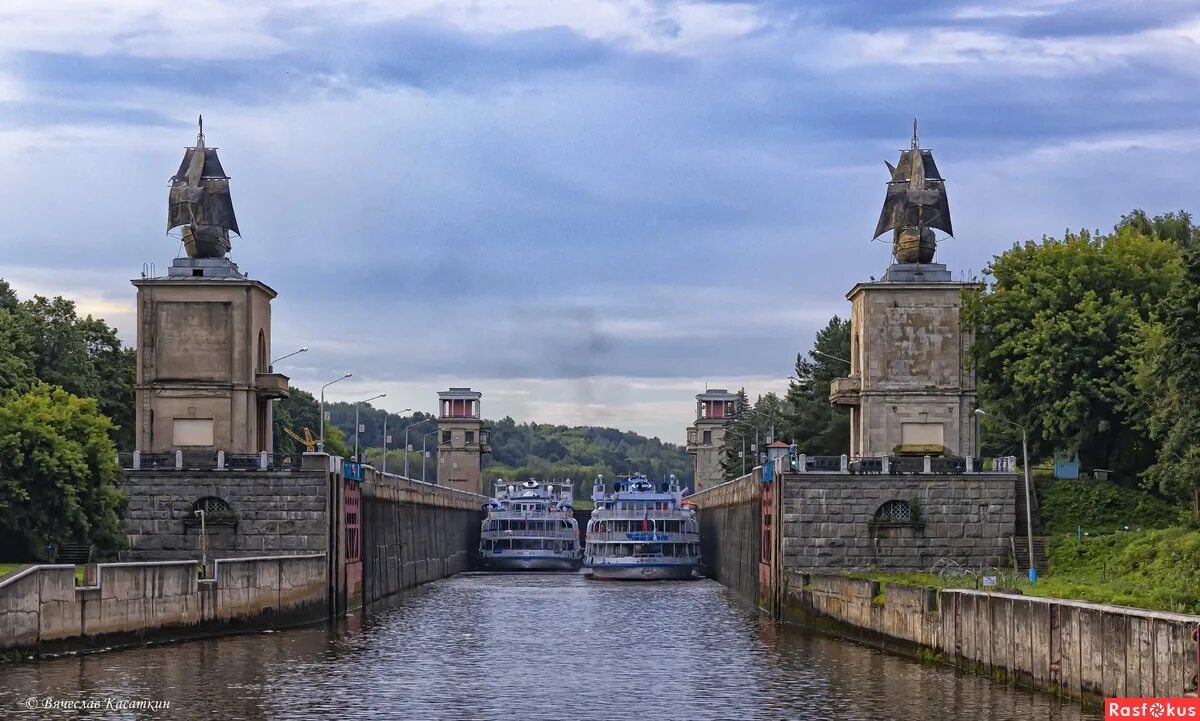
(519, 450)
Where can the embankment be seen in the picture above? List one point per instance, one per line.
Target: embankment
(43, 611)
(1082, 651)
(730, 537)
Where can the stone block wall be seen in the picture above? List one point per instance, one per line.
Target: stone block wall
(829, 520)
(273, 512)
(730, 539)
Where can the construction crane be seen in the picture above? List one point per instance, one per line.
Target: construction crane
(309, 441)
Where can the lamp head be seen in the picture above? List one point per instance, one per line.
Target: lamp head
(980, 412)
(347, 375)
(304, 349)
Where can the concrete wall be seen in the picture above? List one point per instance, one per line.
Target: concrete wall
(829, 520)
(707, 470)
(42, 610)
(1080, 650)
(274, 512)
(730, 538)
(415, 532)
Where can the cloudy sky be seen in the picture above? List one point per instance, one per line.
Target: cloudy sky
(587, 209)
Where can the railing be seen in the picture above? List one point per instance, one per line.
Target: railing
(209, 461)
(643, 537)
(529, 515)
(630, 514)
(892, 465)
(555, 533)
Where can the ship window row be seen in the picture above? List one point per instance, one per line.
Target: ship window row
(631, 526)
(528, 544)
(625, 550)
(504, 524)
(641, 505)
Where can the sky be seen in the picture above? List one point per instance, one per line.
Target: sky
(588, 210)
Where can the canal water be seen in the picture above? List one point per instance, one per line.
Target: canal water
(514, 647)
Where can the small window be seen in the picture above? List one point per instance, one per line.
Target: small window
(894, 512)
(470, 437)
(708, 438)
(446, 437)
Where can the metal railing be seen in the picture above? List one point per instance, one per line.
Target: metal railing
(553, 534)
(644, 537)
(631, 514)
(892, 465)
(207, 460)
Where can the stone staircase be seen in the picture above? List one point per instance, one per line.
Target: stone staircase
(1021, 539)
(75, 553)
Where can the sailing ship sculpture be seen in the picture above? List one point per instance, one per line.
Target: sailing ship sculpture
(200, 203)
(915, 204)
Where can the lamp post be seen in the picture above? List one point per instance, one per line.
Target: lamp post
(836, 358)
(757, 447)
(385, 437)
(407, 449)
(321, 443)
(1028, 495)
(423, 439)
(289, 355)
(356, 406)
(739, 435)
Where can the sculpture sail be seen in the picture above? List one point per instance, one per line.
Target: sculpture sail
(200, 202)
(915, 203)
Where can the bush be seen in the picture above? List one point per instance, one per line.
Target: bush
(1102, 507)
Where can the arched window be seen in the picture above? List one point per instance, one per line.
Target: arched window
(894, 512)
(216, 510)
(262, 352)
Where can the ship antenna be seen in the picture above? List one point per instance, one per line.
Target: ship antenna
(200, 136)
(916, 143)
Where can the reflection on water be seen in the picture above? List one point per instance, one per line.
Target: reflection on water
(528, 646)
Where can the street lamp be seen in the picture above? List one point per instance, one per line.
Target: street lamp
(356, 406)
(757, 447)
(423, 439)
(1028, 500)
(289, 355)
(385, 436)
(836, 358)
(321, 443)
(406, 447)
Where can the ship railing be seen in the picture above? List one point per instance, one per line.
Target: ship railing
(527, 515)
(634, 514)
(643, 537)
(552, 534)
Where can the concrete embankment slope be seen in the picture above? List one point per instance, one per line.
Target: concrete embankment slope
(730, 537)
(1079, 650)
(414, 533)
(43, 611)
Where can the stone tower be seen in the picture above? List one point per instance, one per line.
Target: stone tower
(462, 440)
(910, 387)
(204, 379)
(706, 439)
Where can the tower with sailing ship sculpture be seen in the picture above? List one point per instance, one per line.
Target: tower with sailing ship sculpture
(910, 389)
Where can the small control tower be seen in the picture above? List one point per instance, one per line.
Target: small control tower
(462, 440)
(705, 440)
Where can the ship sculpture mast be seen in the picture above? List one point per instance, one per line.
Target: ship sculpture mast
(200, 203)
(915, 204)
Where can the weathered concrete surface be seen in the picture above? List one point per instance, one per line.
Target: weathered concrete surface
(909, 357)
(273, 512)
(414, 533)
(42, 610)
(1080, 650)
(730, 535)
(829, 520)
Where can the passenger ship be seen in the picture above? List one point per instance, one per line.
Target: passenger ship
(531, 528)
(638, 532)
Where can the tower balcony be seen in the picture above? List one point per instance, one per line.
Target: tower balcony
(271, 385)
(845, 391)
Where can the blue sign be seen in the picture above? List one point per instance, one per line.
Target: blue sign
(647, 536)
(352, 471)
(768, 472)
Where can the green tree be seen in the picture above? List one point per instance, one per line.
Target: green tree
(769, 412)
(1168, 373)
(115, 368)
(58, 472)
(59, 345)
(737, 456)
(1056, 335)
(817, 427)
(298, 411)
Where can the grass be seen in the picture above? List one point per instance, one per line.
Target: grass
(1154, 569)
(7, 568)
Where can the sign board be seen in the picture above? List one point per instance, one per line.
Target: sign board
(352, 471)
(410, 447)
(362, 428)
(989, 580)
(387, 439)
(326, 415)
(647, 536)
